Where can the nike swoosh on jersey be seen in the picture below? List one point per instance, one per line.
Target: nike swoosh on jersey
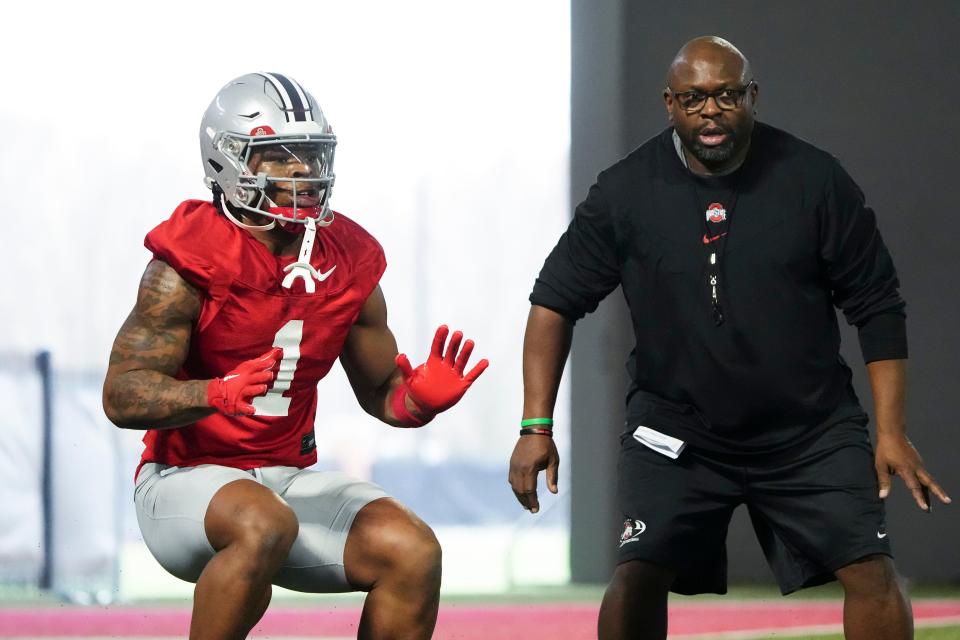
(881, 535)
(323, 276)
(708, 239)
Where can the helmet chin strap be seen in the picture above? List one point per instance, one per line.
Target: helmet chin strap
(236, 221)
(302, 267)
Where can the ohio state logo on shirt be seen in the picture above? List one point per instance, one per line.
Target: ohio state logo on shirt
(716, 212)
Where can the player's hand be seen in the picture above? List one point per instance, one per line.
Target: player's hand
(439, 383)
(531, 455)
(897, 456)
(233, 393)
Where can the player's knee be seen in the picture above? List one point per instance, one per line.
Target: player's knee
(267, 531)
(429, 556)
(389, 543)
(412, 553)
(416, 553)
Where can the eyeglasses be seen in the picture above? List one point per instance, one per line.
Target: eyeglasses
(726, 99)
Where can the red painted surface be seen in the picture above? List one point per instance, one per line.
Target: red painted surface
(457, 622)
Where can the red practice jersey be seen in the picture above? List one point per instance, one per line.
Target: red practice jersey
(245, 311)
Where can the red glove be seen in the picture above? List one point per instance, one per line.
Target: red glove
(439, 383)
(233, 393)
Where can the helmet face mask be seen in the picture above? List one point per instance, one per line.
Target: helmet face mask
(265, 143)
(286, 178)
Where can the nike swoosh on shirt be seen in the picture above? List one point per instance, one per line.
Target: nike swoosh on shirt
(708, 239)
(881, 535)
(323, 276)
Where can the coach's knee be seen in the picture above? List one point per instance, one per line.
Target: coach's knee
(638, 578)
(872, 576)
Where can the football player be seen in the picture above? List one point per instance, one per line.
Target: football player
(246, 304)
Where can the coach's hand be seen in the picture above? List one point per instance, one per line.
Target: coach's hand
(233, 393)
(531, 455)
(896, 455)
(440, 382)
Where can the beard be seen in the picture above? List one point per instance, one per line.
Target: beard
(717, 155)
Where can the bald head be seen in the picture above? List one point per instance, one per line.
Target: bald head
(707, 58)
(710, 99)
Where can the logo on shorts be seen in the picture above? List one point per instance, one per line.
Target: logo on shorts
(631, 530)
(308, 443)
(716, 212)
(882, 533)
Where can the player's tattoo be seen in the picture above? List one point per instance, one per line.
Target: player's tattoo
(140, 390)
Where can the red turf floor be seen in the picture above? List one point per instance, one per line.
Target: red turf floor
(459, 622)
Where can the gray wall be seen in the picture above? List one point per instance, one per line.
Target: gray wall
(875, 83)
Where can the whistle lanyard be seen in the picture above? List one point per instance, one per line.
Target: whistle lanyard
(716, 231)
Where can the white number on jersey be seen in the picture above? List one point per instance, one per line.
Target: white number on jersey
(288, 339)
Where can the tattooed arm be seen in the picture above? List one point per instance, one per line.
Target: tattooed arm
(140, 391)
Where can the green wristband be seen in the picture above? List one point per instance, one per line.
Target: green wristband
(532, 422)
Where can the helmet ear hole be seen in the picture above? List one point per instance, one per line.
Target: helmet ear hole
(231, 146)
(244, 195)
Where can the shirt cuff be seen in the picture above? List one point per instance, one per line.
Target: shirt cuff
(544, 295)
(884, 337)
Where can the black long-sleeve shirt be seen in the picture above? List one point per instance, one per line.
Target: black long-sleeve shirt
(797, 241)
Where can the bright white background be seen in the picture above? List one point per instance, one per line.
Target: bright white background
(453, 128)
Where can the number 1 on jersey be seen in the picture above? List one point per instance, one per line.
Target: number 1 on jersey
(288, 338)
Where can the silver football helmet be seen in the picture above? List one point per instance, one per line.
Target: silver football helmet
(265, 143)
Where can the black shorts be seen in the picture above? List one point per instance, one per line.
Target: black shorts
(813, 513)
